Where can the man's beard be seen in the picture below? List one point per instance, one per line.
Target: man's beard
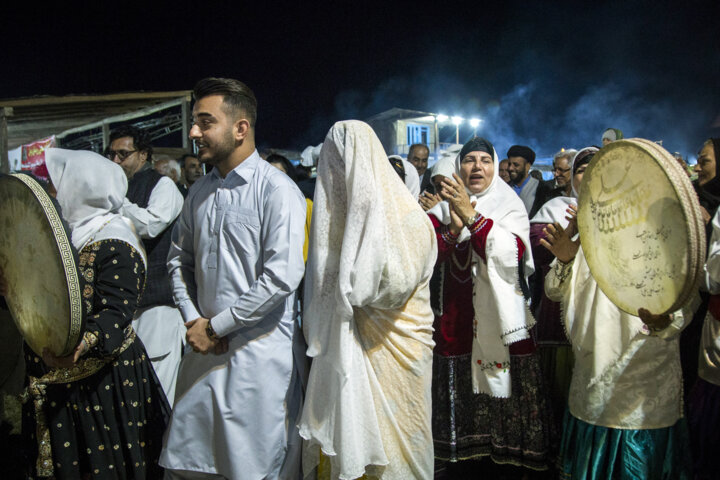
(220, 151)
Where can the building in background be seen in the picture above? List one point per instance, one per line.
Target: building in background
(398, 128)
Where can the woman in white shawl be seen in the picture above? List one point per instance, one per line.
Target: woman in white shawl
(487, 387)
(368, 321)
(625, 408)
(99, 412)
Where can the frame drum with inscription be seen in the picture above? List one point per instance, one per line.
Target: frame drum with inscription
(641, 228)
(40, 265)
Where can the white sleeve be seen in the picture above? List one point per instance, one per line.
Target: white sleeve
(181, 265)
(557, 280)
(412, 180)
(164, 206)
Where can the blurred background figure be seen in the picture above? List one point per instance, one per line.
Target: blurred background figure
(611, 135)
(407, 173)
(504, 170)
(191, 170)
(418, 155)
(165, 165)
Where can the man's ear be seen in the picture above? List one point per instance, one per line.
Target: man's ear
(241, 129)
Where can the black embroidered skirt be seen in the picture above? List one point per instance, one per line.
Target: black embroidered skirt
(516, 430)
(108, 425)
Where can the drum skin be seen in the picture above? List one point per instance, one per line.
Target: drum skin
(641, 228)
(40, 266)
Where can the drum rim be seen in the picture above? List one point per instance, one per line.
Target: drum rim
(696, 228)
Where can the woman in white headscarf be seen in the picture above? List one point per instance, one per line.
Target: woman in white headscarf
(554, 347)
(624, 417)
(368, 322)
(487, 387)
(99, 412)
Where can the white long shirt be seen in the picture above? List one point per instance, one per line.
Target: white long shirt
(709, 361)
(163, 208)
(624, 376)
(237, 258)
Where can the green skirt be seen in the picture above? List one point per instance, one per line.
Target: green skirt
(592, 452)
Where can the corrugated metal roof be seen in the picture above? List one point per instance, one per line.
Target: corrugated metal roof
(29, 119)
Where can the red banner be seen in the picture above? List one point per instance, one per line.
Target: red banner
(33, 157)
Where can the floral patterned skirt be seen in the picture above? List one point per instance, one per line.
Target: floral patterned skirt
(515, 430)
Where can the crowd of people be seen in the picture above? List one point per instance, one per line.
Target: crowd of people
(384, 320)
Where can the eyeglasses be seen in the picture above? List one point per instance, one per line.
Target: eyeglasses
(561, 170)
(122, 154)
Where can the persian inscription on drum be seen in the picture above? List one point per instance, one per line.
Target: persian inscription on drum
(633, 229)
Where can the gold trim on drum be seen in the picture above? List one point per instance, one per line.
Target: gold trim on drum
(65, 249)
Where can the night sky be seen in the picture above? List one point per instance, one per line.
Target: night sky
(549, 75)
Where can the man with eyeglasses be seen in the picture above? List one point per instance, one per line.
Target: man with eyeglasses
(562, 165)
(152, 204)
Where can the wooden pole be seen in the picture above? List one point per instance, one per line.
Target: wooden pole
(106, 136)
(185, 123)
(4, 160)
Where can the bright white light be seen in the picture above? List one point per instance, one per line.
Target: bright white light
(457, 120)
(474, 122)
(442, 118)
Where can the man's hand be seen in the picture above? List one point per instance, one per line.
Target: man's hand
(559, 242)
(200, 342)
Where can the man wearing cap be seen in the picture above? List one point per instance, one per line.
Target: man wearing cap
(520, 160)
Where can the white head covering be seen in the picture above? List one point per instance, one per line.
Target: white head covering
(367, 298)
(309, 156)
(582, 153)
(501, 313)
(90, 191)
(412, 180)
(445, 167)
(612, 134)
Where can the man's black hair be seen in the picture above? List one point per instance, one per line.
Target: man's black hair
(237, 97)
(141, 139)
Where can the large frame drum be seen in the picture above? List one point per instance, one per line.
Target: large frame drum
(641, 228)
(40, 265)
